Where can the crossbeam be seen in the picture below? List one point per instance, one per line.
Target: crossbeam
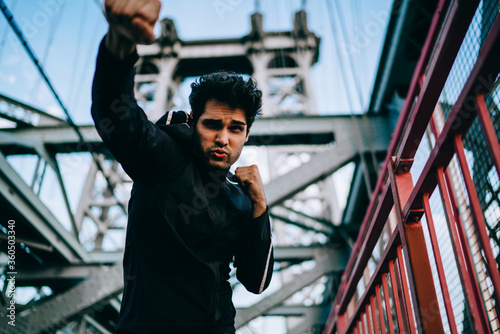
(25, 115)
(36, 215)
(320, 166)
(103, 284)
(327, 260)
(53, 273)
(265, 131)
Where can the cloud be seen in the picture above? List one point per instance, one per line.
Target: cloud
(10, 79)
(12, 58)
(55, 110)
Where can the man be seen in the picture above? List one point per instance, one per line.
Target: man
(188, 215)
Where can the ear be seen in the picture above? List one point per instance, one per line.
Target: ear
(248, 134)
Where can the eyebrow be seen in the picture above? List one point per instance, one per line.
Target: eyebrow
(214, 120)
(238, 122)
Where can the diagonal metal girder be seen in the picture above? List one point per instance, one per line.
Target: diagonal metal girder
(311, 316)
(327, 260)
(25, 115)
(294, 310)
(104, 284)
(306, 325)
(51, 273)
(325, 163)
(35, 213)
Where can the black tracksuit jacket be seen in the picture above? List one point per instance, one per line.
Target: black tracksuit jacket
(185, 223)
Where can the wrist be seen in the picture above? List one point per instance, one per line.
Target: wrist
(119, 45)
(259, 209)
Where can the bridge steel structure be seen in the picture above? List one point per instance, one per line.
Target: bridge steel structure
(70, 254)
(93, 278)
(426, 259)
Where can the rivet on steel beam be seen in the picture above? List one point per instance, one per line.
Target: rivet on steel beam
(404, 165)
(414, 215)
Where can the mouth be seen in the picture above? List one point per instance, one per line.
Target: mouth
(219, 154)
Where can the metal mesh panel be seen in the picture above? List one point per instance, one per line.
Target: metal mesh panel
(463, 64)
(392, 303)
(372, 263)
(421, 157)
(490, 9)
(462, 199)
(467, 55)
(446, 247)
(483, 172)
(472, 236)
(491, 202)
(493, 104)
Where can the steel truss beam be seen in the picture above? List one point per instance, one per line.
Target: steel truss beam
(374, 138)
(327, 260)
(96, 324)
(51, 274)
(292, 310)
(311, 315)
(36, 214)
(104, 284)
(225, 48)
(25, 115)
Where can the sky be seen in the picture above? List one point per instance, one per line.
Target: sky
(65, 36)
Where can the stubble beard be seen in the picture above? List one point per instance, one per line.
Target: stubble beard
(206, 160)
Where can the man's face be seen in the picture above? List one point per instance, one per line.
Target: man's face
(221, 132)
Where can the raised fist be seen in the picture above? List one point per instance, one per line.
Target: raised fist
(133, 19)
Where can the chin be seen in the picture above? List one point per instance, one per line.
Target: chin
(223, 167)
(217, 165)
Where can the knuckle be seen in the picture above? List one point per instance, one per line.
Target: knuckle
(116, 12)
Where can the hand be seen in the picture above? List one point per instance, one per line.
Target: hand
(249, 179)
(131, 22)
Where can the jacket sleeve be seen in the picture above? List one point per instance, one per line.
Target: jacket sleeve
(254, 259)
(139, 145)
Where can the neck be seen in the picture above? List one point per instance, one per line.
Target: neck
(212, 175)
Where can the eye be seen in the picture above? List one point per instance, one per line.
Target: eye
(212, 124)
(236, 129)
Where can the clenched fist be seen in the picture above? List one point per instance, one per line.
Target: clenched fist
(249, 179)
(131, 22)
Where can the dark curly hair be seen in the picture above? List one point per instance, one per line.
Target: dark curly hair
(226, 87)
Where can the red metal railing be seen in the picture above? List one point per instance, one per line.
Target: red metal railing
(406, 287)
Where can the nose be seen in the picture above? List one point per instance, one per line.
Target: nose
(222, 138)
